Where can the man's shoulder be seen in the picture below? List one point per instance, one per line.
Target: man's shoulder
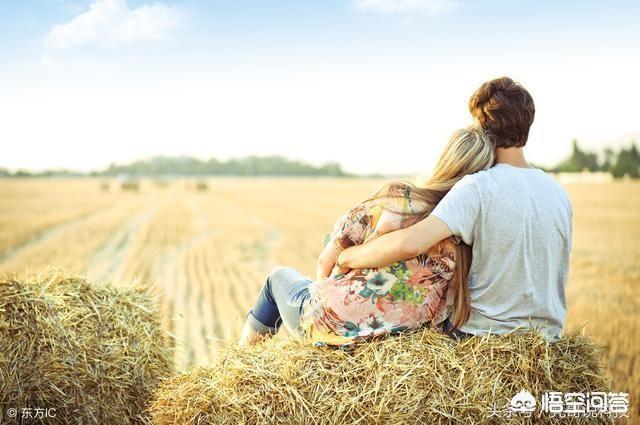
(496, 178)
(552, 184)
(477, 180)
(563, 195)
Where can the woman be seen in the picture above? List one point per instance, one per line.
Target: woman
(343, 307)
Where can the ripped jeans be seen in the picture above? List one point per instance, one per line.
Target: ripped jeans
(280, 301)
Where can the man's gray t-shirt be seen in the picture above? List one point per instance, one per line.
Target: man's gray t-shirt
(518, 223)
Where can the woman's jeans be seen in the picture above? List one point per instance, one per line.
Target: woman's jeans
(280, 302)
(454, 333)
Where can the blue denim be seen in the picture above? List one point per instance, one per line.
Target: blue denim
(455, 333)
(280, 301)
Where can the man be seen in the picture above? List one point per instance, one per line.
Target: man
(516, 218)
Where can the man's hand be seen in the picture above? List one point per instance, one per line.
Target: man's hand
(396, 246)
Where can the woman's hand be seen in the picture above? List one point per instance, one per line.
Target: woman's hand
(327, 259)
(341, 268)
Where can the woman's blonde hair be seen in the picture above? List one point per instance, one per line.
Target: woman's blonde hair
(468, 151)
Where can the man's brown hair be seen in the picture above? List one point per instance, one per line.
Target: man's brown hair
(505, 110)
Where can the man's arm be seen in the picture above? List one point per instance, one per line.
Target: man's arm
(396, 246)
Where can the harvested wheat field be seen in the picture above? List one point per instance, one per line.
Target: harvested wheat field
(206, 249)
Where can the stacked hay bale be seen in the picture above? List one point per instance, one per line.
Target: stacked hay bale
(87, 353)
(416, 377)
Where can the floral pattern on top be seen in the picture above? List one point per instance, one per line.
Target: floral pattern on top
(346, 308)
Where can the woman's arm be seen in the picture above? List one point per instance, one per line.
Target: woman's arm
(350, 229)
(395, 246)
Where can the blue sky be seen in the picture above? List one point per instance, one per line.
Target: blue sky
(91, 82)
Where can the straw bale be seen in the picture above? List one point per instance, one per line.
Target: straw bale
(417, 377)
(94, 353)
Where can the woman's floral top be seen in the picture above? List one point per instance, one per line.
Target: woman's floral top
(346, 308)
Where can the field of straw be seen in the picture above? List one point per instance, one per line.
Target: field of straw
(206, 249)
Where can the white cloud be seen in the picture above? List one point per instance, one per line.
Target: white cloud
(425, 7)
(113, 22)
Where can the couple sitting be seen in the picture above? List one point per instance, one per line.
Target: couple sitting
(482, 248)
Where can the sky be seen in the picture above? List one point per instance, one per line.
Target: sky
(377, 85)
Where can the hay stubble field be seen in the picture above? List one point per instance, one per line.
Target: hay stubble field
(207, 252)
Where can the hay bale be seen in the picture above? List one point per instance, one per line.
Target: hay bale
(130, 185)
(202, 186)
(94, 353)
(416, 377)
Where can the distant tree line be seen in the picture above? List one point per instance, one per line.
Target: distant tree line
(249, 166)
(625, 162)
(48, 173)
(186, 166)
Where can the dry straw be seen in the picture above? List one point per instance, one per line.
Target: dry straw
(421, 377)
(94, 353)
